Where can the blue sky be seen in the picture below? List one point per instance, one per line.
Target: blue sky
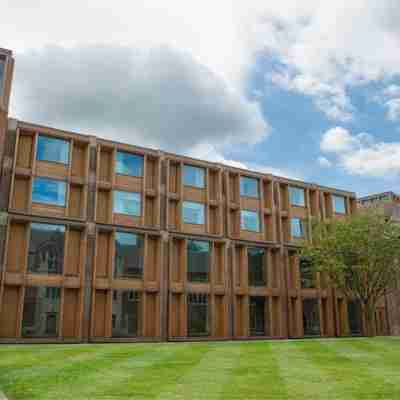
(309, 90)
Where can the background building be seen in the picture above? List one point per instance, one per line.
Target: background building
(104, 241)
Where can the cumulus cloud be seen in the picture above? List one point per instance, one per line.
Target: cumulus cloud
(160, 97)
(324, 162)
(390, 99)
(361, 154)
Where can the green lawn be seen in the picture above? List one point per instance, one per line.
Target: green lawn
(309, 369)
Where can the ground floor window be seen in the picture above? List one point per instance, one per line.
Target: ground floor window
(258, 311)
(125, 313)
(41, 312)
(311, 318)
(354, 313)
(198, 314)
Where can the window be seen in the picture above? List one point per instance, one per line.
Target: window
(129, 164)
(249, 221)
(307, 276)
(354, 313)
(127, 203)
(49, 191)
(193, 176)
(193, 213)
(311, 317)
(52, 149)
(256, 266)
(198, 318)
(2, 74)
(297, 228)
(198, 261)
(125, 313)
(128, 255)
(46, 249)
(41, 312)
(296, 196)
(248, 187)
(258, 307)
(339, 205)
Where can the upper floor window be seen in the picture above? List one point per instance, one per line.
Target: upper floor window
(52, 149)
(307, 275)
(193, 176)
(296, 196)
(2, 73)
(46, 249)
(49, 191)
(256, 266)
(198, 261)
(249, 187)
(193, 213)
(128, 255)
(339, 204)
(249, 221)
(128, 203)
(297, 228)
(129, 164)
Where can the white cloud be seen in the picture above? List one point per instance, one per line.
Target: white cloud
(324, 162)
(393, 109)
(390, 99)
(361, 154)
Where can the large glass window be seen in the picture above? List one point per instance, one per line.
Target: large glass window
(46, 249)
(41, 312)
(296, 196)
(307, 275)
(297, 228)
(193, 213)
(52, 149)
(125, 313)
(198, 315)
(256, 266)
(198, 261)
(249, 187)
(129, 164)
(339, 204)
(49, 191)
(355, 319)
(311, 317)
(128, 203)
(193, 176)
(249, 221)
(258, 306)
(128, 255)
(2, 73)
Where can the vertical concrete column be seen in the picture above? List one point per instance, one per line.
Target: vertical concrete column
(164, 285)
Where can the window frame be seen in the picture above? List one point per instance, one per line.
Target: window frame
(297, 188)
(137, 301)
(301, 226)
(140, 239)
(203, 214)
(197, 168)
(199, 297)
(264, 269)
(129, 154)
(243, 228)
(139, 194)
(54, 138)
(188, 272)
(337, 197)
(58, 181)
(249, 178)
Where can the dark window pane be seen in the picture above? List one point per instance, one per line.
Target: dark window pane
(256, 266)
(311, 317)
(49, 191)
(249, 221)
(193, 213)
(193, 176)
(125, 313)
(128, 203)
(248, 187)
(354, 312)
(2, 72)
(198, 317)
(258, 311)
(41, 312)
(307, 274)
(129, 164)
(339, 204)
(296, 196)
(46, 249)
(198, 261)
(52, 149)
(297, 228)
(128, 255)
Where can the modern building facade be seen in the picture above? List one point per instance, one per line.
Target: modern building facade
(104, 241)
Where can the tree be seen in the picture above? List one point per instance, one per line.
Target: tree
(360, 256)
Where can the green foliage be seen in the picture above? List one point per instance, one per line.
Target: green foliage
(360, 255)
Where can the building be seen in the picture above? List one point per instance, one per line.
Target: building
(104, 241)
(389, 204)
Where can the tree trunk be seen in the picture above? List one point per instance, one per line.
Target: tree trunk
(369, 318)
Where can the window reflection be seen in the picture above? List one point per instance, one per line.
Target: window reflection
(52, 149)
(49, 191)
